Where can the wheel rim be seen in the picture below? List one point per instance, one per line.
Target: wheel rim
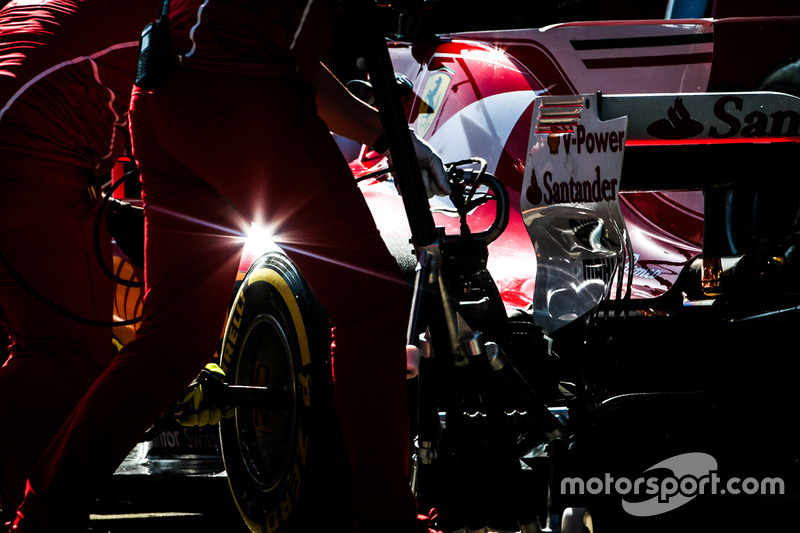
(266, 437)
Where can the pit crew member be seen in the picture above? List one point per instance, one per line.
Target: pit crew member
(240, 132)
(66, 72)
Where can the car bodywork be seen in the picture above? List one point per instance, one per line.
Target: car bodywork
(474, 94)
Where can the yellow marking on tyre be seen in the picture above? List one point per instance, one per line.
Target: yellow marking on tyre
(278, 515)
(276, 280)
(234, 321)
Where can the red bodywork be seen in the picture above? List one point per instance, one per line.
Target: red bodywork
(482, 106)
(473, 96)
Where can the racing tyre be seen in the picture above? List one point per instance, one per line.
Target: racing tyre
(282, 460)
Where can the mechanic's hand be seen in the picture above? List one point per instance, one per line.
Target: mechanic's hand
(201, 403)
(434, 176)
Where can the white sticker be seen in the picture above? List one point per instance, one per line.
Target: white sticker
(570, 205)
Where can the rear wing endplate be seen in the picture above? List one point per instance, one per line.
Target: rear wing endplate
(585, 149)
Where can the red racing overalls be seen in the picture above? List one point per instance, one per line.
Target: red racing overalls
(66, 72)
(233, 137)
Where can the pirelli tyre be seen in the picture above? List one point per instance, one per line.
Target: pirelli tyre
(285, 464)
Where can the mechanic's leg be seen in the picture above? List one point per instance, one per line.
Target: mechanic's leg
(191, 263)
(222, 142)
(47, 220)
(342, 256)
(286, 170)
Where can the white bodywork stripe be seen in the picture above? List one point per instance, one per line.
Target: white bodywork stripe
(482, 128)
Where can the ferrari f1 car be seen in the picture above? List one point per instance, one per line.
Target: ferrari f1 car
(603, 306)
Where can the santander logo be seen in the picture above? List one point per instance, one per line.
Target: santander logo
(731, 115)
(678, 124)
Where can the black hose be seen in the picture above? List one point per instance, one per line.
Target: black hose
(57, 308)
(97, 224)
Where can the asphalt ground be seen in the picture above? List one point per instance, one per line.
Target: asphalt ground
(163, 503)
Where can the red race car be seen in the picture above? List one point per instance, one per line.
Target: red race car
(621, 232)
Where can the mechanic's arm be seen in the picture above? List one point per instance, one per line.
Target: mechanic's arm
(350, 117)
(342, 111)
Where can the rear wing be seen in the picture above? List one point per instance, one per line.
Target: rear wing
(693, 140)
(586, 149)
